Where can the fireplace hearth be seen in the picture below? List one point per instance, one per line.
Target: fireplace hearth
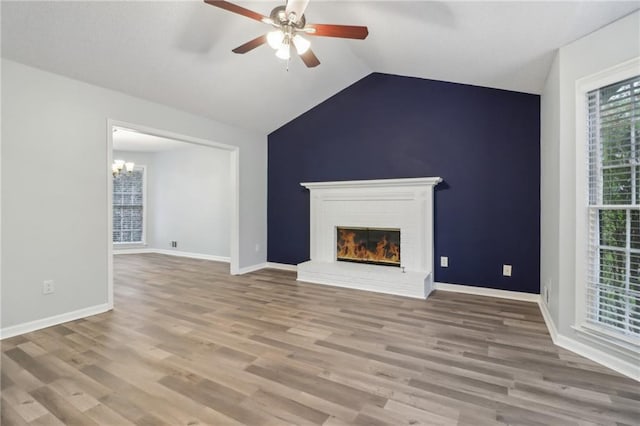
(377, 246)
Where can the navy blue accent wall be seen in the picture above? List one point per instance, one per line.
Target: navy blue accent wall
(484, 143)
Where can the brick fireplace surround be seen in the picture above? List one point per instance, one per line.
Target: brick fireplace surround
(405, 204)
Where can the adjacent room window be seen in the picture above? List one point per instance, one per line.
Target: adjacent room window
(128, 207)
(613, 278)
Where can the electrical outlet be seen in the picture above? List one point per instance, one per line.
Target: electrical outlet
(506, 270)
(173, 244)
(48, 287)
(444, 261)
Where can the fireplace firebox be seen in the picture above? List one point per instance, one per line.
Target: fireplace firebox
(378, 246)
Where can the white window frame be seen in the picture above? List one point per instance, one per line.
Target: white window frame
(144, 213)
(585, 85)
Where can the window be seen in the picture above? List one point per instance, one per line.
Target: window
(128, 207)
(612, 291)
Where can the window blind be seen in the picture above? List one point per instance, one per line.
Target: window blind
(613, 287)
(128, 207)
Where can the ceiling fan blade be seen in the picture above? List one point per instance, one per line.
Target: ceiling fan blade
(341, 31)
(236, 9)
(250, 45)
(310, 59)
(296, 6)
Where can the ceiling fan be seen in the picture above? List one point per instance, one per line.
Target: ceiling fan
(289, 22)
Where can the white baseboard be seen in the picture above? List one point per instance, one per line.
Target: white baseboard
(582, 349)
(214, 257)
(30, 326)
(551, 326)
(616, 364)
(174, 253)
(484, 291)
(587, 351)
(282, 266)
(272, 265)
(251, 268)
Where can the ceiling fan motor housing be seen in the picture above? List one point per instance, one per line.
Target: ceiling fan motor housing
(280, 18)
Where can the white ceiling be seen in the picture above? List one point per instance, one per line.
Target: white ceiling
(179, 53)
(131, 140)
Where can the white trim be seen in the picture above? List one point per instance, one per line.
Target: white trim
(109, 213)
(251, 268)
(616, 364)
(282, 266)
(589, 352)
(191, 255)
(128, 246)
(234, 179)
(551, 326)
(583, 86)
(376, 183)
(136, 250)
(612, 339)
(27, 327)
(582, 349)
(490, 292)
(234, 171)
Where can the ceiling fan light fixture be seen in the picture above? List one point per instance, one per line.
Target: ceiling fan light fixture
(301, 44)
(275, 38)
(283, 52)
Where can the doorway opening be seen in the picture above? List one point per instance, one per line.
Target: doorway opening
(170, 194)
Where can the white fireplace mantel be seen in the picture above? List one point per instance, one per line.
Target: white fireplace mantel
(405, 204)
(375, 183)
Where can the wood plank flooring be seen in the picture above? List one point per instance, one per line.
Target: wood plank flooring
(187, 344)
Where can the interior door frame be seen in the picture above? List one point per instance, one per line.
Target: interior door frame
(234, 168)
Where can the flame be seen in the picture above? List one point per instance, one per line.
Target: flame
(349, 248)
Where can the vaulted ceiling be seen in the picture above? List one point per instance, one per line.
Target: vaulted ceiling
(179, 53)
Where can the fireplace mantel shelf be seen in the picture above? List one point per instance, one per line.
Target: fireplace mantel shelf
(375, 183)
(402, 204)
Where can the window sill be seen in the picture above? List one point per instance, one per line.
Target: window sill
(125, 246)
(603, 336)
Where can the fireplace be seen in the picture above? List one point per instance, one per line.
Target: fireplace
(372, 215)
(377, 246)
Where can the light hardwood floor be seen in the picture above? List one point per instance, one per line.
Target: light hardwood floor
(187, 344)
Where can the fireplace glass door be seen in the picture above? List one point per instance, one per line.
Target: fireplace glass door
(379, 246)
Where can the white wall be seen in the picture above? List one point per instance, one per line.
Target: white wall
(607, 47)
(55, 180)
(192, 202)
(549, 194)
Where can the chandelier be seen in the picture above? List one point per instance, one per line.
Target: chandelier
(119, 166)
